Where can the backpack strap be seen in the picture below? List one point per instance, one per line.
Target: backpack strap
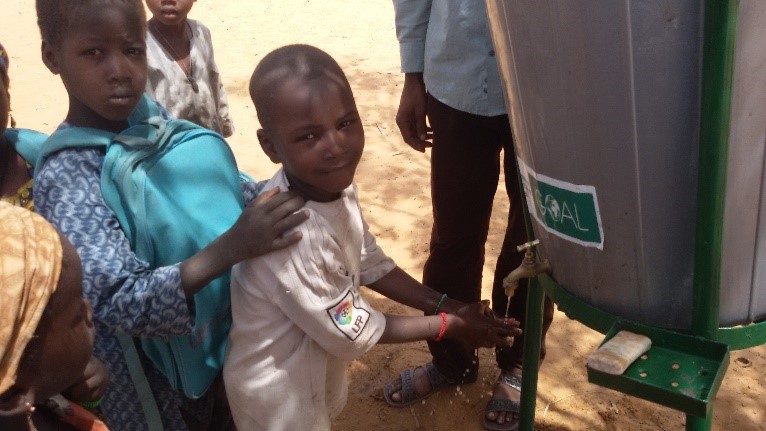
(153, 134)
(147, 108)
(84, 137)
(28, 143)
(137, 375)
(73, 137)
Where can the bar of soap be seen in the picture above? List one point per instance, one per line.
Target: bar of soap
(616, 355)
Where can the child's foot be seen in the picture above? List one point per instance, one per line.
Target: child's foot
(413, 385)
(502, 412)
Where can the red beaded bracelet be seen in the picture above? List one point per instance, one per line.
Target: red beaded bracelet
(443, 328)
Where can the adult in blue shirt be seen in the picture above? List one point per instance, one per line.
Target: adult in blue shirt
(452, 80)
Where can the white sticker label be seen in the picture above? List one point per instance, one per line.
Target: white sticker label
(567, 210)
(348, 317)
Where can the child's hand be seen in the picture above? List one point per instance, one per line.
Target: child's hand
(261, 227)
(258, 230)
(477, 325)
(92, 385)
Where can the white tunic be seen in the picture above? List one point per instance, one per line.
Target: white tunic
(299, 320)
(167, 83)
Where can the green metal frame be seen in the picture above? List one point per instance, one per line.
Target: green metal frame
(737, 337)
(743, 337)
(717, 72)
(679, 371)
(718, 69)
(576, 308)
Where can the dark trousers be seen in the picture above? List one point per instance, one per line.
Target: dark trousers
(465, 170)
(211, 412)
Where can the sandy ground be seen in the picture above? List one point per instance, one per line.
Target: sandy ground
(395, 196)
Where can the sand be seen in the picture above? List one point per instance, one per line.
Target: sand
(394, 185)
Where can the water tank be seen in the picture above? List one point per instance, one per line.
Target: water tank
(605, 106)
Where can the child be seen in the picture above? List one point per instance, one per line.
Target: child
(298, 317)
(46, 331)
(183, 76)
(98, 48)
(17, 148)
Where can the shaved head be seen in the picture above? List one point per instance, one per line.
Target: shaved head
(303, 62)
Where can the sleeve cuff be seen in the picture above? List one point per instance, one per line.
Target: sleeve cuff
(412, 55)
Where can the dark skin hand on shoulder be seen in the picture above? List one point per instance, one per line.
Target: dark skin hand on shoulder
(264, 222)
(260, 229)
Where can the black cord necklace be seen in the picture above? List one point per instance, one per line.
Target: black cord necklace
(164, 42)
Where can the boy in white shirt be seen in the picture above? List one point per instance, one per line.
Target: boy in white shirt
(298, 315)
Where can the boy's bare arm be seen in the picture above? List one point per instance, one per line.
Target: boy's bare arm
(402, 288)
(474, 324)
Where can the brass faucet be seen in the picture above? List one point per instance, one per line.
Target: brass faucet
(529, 268)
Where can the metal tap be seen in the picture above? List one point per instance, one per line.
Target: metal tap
(529, 268)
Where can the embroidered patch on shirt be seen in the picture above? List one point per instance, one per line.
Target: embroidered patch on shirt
(348, 317)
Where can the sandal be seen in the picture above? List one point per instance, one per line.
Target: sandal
(494, 405)
(437, 380)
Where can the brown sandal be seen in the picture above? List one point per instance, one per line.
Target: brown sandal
(494, 405)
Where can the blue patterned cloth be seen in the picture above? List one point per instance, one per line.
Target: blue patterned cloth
(125, 292)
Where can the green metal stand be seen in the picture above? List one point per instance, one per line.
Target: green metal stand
(694, 423)
(679, 371)
(717, 71)
(682, 371)
(533, 329)
(742, 337)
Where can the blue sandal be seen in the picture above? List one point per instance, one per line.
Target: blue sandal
(494, 405)
(407, 377)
